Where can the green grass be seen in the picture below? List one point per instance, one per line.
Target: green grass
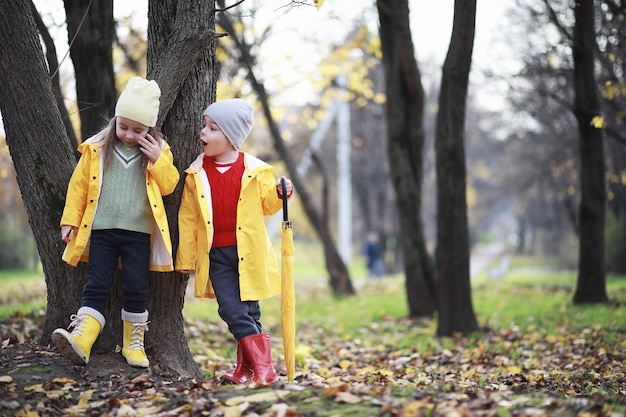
(21, 291)
(530, 297)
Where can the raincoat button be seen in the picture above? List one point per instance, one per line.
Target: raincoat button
(202, 196)
(94, 177)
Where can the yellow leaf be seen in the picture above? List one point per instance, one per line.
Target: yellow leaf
(412, 408)
(367, 370)
(385, 372)
(270, 396)
(303, 351)
(5, 379)
(318, 3)
(344, 364)
(515, 370)
(34, 388)
(84, 398)
(598, 122)
(234, 411)
(56, 393)
(64, 381)
(27, 414)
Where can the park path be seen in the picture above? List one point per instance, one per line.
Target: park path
(483, 256)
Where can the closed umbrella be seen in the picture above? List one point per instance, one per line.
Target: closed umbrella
(288, 293)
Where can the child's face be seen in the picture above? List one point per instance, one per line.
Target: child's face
(214, 142)
(130, 131)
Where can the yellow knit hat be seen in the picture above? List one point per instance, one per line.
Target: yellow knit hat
(139, 101)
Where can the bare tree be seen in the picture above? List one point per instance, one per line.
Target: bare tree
(42, 154)
(405, 146)
(182, 61)
(456, 313)
(591, 284)
(53, 65)
(91, 31)
(339, 275)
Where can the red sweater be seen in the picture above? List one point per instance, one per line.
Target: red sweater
(225, 189)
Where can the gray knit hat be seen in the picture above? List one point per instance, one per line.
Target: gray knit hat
(234, 117)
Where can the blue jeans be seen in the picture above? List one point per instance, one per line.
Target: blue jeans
(107, 248)
(242, 317)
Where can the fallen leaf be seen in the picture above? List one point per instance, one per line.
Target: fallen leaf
(348, 397)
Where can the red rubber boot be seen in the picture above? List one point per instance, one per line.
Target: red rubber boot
(257, 350)
(242, 374)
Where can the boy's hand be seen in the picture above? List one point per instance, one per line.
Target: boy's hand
(279, 188)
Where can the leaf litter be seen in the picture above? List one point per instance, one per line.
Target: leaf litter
(498, 372)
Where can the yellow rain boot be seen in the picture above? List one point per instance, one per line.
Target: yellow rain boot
(76, 346)
(135, 325)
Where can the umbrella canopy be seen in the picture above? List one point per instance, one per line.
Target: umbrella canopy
(288, 294)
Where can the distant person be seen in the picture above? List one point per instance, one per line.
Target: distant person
(223, 237)
(114, 215)
(373, 255)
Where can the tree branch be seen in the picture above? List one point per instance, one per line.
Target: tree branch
(174, 66)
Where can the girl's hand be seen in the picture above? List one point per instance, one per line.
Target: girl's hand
(66, 233)
(185, 271)
(150, 147)
(279, 188)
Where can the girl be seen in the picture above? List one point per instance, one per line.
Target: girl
(223, 236)
(114, 213)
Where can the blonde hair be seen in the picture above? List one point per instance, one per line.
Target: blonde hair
(110, 136)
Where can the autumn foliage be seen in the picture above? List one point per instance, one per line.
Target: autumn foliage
(565, 363)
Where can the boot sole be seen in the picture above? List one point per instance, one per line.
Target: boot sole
(135, 363)
(64, 342)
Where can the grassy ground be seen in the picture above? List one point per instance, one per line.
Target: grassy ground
(21, 291)
(536, 354)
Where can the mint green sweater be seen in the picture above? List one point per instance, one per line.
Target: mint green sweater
(123, 202)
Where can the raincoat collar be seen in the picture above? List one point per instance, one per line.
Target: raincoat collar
(251, 163)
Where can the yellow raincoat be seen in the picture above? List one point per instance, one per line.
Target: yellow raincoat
(258, 268)
(83, 192)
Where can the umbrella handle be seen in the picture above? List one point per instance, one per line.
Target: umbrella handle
(283, 183)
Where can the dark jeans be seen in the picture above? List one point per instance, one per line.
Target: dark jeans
(107, 248)
(242, 317)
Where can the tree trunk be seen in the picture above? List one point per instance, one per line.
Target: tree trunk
(338, 273)
(405, 111)
(42, 154)
(91, 30)
(591, 285)
(456, 313)
(182, 59)
(53, 65)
